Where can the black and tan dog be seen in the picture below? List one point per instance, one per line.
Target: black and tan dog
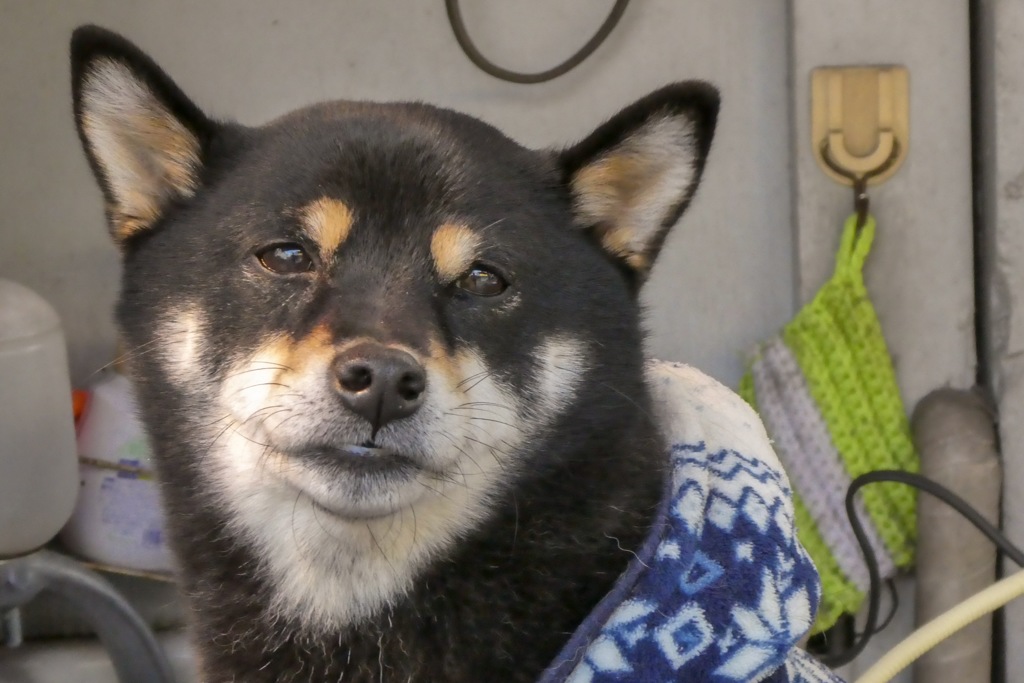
(391, 365)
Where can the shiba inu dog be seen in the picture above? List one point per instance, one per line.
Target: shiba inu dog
(391, 366)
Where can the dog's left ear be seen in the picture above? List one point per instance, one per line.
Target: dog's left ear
(634, 176)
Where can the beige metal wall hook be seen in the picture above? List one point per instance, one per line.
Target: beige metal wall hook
(860, 123)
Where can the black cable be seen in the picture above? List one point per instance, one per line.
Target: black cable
(835, 661)
(894, 598)
(928, 486)
(489, 67)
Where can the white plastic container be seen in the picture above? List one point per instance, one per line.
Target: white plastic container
(38, 470)
(119, 520)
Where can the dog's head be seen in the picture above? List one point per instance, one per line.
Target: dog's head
(361, 312)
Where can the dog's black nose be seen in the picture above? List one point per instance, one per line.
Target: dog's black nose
(380, 384)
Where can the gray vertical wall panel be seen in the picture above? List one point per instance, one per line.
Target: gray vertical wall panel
(1000, 55)
(920, 274)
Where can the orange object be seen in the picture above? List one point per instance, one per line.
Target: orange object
(79, 401)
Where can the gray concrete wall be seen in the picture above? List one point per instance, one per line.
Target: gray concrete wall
(726, 278)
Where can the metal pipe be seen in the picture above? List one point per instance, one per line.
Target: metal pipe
(133, 649)
(955, 436)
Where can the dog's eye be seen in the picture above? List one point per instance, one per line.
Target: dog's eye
(482, 282)
(285, 259)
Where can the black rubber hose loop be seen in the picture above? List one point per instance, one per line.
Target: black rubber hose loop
(489, 67)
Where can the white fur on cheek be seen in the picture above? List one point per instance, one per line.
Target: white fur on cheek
(181, 339)
(473, 427)
(249, 385)
(561, 363)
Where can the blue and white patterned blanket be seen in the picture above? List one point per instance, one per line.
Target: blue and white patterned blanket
(721, 589)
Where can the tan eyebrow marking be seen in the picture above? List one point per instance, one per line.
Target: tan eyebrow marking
(454, 248)
(328, 222)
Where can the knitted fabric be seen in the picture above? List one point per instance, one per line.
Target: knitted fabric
(837, 591)
(826, 390)
(721, 589)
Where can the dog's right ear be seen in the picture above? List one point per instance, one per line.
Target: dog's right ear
(146, 141)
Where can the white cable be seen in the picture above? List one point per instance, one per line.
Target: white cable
(943, 626)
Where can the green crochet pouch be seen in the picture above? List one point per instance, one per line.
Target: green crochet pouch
(826, 390)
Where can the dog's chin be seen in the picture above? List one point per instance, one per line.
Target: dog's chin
(354, 482)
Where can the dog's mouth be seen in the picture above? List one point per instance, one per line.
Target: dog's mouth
(355, 482)
(365, 459)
